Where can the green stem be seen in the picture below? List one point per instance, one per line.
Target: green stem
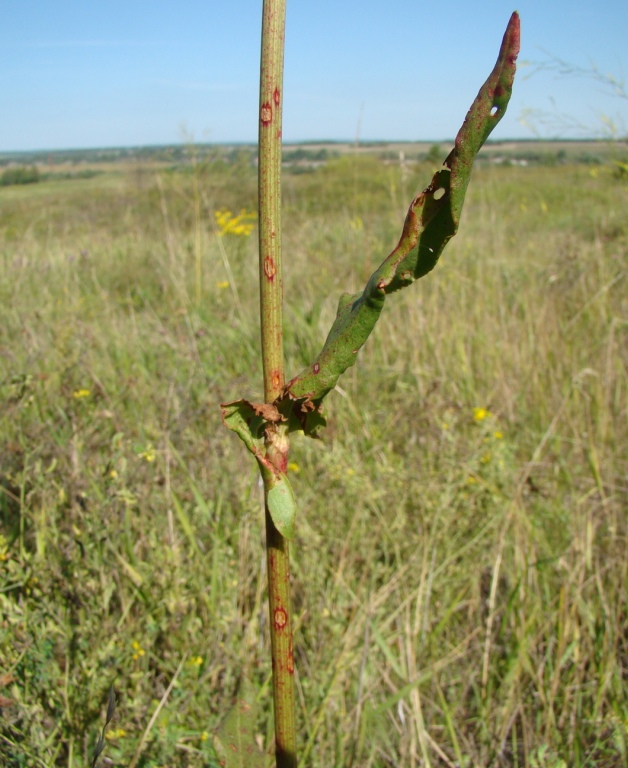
(269, 182)
(271, 296)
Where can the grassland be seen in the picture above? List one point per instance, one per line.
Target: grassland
(460, 572)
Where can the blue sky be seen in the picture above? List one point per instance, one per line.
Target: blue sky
(91, 73)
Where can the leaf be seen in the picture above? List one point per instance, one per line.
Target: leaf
(234, 740)
(100, 743)
(131, 572)
(432, 220)
(111, 705)
(282, 506)
(248, 420)
(186, 524)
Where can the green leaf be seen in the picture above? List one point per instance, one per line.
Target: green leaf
(186, 524)
(282, 506)
(234, 740)
(250, 421)
(432, 220)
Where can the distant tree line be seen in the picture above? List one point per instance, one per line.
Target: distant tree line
(21, 174)
(30, 174)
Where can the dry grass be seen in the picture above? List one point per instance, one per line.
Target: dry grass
(460, 575)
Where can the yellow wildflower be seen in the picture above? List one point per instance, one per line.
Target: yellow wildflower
(479, 414)
(240, 225)
(196, 661)
(139, 651)
(294, 467)
(222, 284)
(116, 733)
(148, 454)
(498, 435)
(80, 393)
(204, 736)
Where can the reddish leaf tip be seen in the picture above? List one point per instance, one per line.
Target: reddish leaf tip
(512, 37)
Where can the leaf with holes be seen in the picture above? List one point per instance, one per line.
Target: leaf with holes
(432, 220)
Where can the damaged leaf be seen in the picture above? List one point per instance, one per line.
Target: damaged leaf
(249, 420)
(432, 220)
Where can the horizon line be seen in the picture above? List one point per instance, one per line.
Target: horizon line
(306, 142)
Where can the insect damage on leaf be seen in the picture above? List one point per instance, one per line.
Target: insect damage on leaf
(432, 220)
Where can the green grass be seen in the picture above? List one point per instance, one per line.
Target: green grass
(460, 576)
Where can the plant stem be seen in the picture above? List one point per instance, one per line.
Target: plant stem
(269, 184)
(277, 443)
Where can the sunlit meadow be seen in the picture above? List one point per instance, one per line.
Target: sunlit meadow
(460, 569)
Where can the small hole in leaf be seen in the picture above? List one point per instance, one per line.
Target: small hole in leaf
(494, 111)
(440, 192)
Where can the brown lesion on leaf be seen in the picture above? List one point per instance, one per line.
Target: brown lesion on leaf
(304, 413)
(268, 412)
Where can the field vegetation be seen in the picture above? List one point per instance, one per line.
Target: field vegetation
(460, 571)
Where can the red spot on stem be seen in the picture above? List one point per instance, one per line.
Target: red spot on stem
(266, 113)
(276, 96)
(316, 368)
(290, 660)
(281, 618)
(270, 270)
(275, 377)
